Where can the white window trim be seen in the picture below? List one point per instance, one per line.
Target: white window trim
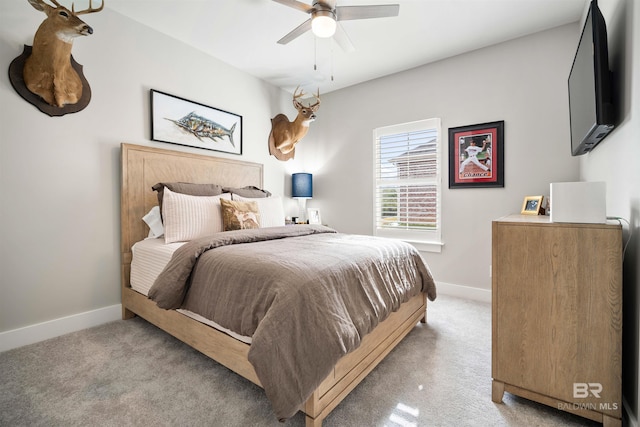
(428, 241)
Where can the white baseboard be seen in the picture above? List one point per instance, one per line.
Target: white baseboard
(54, 328)
(461, 291)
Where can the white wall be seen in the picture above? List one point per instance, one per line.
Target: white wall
(60, 193)
(523, 82)
(614, 161)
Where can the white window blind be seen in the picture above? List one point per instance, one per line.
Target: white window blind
(407, 181)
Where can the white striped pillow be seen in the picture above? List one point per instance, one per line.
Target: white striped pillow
(188, 217)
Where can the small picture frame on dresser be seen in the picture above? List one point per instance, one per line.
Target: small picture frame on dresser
(314, 216)
(532, 205)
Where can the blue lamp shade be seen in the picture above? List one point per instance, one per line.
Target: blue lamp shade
(302, 185)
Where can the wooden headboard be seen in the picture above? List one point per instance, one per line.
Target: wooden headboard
(143, 167)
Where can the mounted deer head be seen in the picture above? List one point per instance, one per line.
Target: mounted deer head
(285, 134)
(47, 71)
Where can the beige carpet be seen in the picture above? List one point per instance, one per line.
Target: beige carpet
(130, 373)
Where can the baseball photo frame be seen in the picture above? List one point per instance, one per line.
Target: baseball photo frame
(476, 155)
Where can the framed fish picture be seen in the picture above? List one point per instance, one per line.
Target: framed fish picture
(179, 121)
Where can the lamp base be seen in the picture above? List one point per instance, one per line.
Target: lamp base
(302, 210)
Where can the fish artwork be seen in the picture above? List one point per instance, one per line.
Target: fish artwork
(202, 127)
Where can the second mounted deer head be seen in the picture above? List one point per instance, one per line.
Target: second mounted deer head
(285, 134)
(48, 71)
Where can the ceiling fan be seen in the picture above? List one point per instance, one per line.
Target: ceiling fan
(325, 16)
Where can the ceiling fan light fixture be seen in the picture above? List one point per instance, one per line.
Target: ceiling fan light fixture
(323, 23)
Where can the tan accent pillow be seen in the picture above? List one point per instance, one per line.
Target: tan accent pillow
(271, 210)
(189, 217)
(239, 215)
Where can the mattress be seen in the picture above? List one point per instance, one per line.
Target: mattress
(150, 256)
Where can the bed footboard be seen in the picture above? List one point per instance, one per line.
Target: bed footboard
(355, 366)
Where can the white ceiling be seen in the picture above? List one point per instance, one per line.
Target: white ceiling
(243, 33)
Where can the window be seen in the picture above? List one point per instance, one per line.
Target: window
(407, 183)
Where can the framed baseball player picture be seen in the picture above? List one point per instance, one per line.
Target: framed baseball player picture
(476, 155)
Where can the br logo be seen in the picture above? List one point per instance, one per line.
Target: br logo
(584, 390)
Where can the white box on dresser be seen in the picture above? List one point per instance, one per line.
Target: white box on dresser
(584, 202)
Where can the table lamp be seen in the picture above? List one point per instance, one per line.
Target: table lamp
(302, 189)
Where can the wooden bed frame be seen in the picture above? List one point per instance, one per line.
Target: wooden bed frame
(142, 167)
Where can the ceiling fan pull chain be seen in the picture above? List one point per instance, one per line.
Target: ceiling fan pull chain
(332, 42)
(315, 53)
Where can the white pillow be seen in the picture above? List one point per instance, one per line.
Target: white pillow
(271, 210)
(154, 221)
(188, 217)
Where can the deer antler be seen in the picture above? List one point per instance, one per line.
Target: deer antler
(41, 5)
(83, 12)
(299, 105)
(297, 95)
(315, 106)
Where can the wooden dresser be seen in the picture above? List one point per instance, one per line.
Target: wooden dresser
(557, 315)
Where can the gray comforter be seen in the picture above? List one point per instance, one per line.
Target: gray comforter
(305, 294)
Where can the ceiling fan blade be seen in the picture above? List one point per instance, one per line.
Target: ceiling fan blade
(345, 13)
(342, 38)
(296, 32)
(303, 7)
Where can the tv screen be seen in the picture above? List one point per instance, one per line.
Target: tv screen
(590, 104)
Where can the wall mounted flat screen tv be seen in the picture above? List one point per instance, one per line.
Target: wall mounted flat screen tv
(590, 99)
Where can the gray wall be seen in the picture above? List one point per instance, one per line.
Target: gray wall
(523, 82)
(60, 193)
